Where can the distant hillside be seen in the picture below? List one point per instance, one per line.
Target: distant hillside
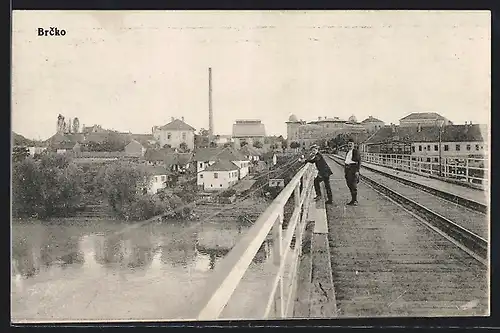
(19, 140)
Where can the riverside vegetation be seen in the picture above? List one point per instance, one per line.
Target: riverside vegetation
(52, 185)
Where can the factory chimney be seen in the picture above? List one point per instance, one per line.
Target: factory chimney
(210, 111)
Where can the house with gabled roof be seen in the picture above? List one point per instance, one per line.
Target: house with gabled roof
(372, 124)
(220, 175)
(251, 153)
(178, 162)
(135, 148)
(174, 134)
(205, 157)
(66, 147)
(154, 180)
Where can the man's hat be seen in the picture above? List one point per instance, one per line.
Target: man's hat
(314, 146)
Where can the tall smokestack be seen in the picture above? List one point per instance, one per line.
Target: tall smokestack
(210, 111)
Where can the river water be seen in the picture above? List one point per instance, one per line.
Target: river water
(94, 271)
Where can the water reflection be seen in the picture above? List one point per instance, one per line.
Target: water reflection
(58, 261)
(178, 249)
(34, 249)
(37, 246)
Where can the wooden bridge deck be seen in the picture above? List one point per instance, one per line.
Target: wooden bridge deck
(383, 262)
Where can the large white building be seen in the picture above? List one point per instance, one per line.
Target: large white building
(424, 119)
(323, 128)
(249, 131)
(423, 142)
(175, 133)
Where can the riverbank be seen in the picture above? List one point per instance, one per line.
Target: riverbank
(247, 210)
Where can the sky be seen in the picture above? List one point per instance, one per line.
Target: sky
(131, 70)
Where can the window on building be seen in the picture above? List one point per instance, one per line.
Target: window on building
(220, 185)
(477, 147)
(183, 135)
(216, 175)
(419, 147)
(446, 147)
(435, 159)
(163, 178)
(169, 136)
(435, 147)
(413, 149)
(428, 159)
(468, 147)
(457, 147)
(201, 165)
(428, 147)
(201, 176)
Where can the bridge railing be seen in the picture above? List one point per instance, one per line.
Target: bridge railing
(230, 270)
(468, 169)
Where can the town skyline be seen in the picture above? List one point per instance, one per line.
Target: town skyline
(291, 67)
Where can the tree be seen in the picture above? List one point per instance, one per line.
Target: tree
(76, 125)
(50, 186)
(284, 144)
(172, 180)
(213, 144)
(243, 143)
(228, 144)
(201, 141)
(340, 140)
(203, 132)
(257, 144)
(113, 142)
(119, 184)
(294, 145)
(184, 147)
(19, 154)
(165, 146)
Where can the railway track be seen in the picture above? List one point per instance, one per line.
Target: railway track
(474, 205)
(465, 225)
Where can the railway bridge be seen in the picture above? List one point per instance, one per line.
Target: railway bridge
(414, 246)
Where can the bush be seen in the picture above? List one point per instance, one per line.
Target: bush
(119, 183)
(47, 187)
(228, 193)
(144, 207)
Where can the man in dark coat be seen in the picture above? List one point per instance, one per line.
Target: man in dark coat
(324, 173)
(352, 164)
